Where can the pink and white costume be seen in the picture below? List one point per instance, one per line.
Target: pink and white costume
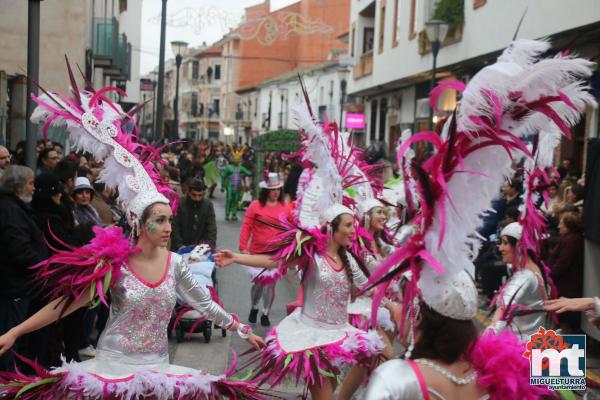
(319, 329)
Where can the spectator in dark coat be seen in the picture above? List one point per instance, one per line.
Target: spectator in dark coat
(566, 261)
(55, 220)
(195, 220)
(22, 247)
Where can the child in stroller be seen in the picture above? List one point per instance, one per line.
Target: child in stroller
(186, 319)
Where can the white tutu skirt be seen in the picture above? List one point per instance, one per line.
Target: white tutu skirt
(303, 349)
(359, 313)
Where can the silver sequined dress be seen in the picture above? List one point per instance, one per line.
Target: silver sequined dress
(134, 344)
(323, 317)
(527, 288)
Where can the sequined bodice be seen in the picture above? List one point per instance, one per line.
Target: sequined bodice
(139, 314)
(327, 291)
(136, 330)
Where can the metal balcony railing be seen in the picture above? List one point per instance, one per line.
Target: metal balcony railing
(120, 70)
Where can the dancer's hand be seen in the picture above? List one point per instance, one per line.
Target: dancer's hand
(224, 258)
(7, 341)
(257, 342)
(564, 304)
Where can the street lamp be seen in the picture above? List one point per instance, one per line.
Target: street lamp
(33, 68)
(342, 74)
(178, 48)
(158, 123)
(436, 30)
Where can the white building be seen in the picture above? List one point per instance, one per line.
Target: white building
(393, 61)
(269, 105)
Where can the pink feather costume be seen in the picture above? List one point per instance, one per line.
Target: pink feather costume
(132, 354)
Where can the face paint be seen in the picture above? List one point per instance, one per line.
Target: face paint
(151, 226)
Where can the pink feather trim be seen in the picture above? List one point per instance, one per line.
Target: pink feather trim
(502, 370)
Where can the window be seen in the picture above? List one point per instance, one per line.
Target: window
(194, 105)
(215, 108)
(413, 14)
(195, 69)
(368, 37)
(382, 118)
(322, 114)
(217, 72)
(396, 21)
(373, 127)
(122, 6)
(381, 27)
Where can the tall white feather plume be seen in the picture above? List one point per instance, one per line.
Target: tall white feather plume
(325, 187)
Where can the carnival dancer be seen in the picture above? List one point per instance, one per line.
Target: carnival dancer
(312, 343)
(255, 237)
(132, 359)
(315, 341)
(445, 358)
(232, 181)
(373, 218)
(527, 287)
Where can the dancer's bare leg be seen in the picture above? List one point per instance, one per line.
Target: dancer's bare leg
(357, 374)
(323, 392)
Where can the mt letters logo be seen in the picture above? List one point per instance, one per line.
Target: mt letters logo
(556, 361)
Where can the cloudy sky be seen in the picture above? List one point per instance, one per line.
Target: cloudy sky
(193, 21)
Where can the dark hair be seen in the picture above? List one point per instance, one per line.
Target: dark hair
(44, 154)
(291, 183)
(443, 338)
(572, 221)
(196, 184)
(82, 170)
(512, 213)
(516, 184)
(514, 242)
(578, 191)
(343, 253)
(65, 170)
(263, 195)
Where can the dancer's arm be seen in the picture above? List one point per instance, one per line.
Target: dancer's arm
(47, 315)
(193, 295)
(227, 257)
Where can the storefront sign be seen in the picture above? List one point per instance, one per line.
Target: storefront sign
(355, 121)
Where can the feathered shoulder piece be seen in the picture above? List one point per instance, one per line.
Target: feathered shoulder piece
(99, 126)
(87, 271)
(472, 156)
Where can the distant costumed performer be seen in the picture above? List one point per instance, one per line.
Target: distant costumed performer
(314, 342)
(518, 94)
(144, 279)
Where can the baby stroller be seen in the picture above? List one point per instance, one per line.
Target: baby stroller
(187, 320)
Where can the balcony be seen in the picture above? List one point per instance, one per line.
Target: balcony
(120, 70)
(364, 66)
(106, 38)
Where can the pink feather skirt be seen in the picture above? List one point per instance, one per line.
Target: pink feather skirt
(299, 349)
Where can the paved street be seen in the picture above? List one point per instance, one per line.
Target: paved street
(234, 291)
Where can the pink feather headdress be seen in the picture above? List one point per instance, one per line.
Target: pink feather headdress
(97, 125)
(473, 155)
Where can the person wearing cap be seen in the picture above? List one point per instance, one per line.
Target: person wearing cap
(255, 237)
(232, 182)
(526, 287)
(195, 220)
(83, 193)
(22, 245)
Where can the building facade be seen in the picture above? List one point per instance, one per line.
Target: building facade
(98, 36)
(393, 61)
